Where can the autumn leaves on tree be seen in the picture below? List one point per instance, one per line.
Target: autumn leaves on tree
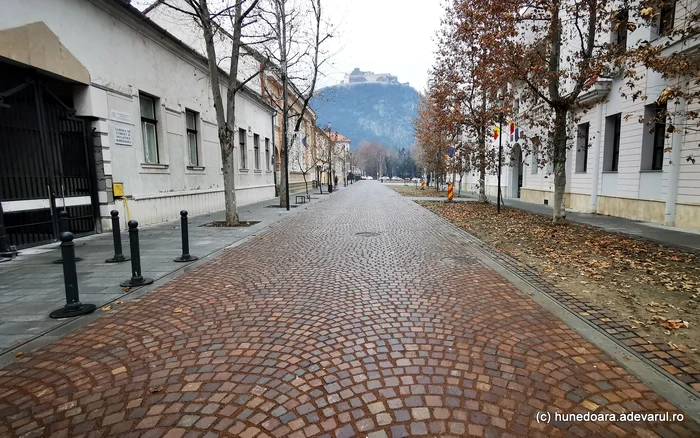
(532, 62)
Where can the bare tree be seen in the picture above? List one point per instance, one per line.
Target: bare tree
(299, 53)
(228, 18)
(301, 157)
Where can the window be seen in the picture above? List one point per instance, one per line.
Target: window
(666, 16)
(242, 146)
(148, 128)
(611, 154)
(256, 146)
(267, 154)
(619, 29)
(657, 155)
(582, 148)
(191, 118)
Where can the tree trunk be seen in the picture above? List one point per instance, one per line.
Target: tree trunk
(559, 161)
(283, 178)
(229, 185)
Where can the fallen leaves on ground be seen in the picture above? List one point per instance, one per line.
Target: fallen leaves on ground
(106, 308)
(411, 191)
(177, 310)
(674, 324)
(638, 279)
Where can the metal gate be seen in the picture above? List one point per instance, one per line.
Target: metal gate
(44, 161)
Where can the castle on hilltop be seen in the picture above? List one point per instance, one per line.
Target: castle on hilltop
(357, 76)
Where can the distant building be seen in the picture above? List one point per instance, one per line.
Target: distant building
(340, 155)
(357, 76)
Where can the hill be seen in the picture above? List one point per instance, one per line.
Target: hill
(370, 112)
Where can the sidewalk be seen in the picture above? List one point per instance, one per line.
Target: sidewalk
(31, 286)
(374, 319)
(666, 235)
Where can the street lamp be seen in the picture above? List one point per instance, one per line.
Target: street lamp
(330, 159)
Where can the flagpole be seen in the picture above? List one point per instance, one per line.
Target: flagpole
(500, 152)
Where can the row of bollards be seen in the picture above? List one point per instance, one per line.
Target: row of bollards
(73, 305)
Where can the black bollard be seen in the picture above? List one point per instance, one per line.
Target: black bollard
(136, 278)
(117, 235)
(73, 305)
(185, 257)
(64, 227)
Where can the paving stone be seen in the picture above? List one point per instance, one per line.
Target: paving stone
(329, 333)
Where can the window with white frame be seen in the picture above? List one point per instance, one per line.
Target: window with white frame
(611, 151)
(654, 137)
(256, 150)
(242, 146)
(192, 146)
(618, 37)
(582, 148)
(148, 128)
(667, 15)
(267, 154)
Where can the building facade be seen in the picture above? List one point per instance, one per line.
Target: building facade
(620, 161)
(122, 115)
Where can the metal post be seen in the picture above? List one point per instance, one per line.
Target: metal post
(136, 278)
(185, 257)
(500, 152)
(73, 305)
(117, 236)
(63, 227)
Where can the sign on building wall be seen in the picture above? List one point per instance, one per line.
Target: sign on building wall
(120, 116)
(122, 135)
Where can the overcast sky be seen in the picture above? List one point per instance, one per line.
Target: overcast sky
(382, 36)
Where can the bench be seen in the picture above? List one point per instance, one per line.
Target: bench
(302, 197)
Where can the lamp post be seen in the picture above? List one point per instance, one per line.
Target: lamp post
(330, 159)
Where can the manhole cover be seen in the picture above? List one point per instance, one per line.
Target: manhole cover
(367, 234)
(460, 261)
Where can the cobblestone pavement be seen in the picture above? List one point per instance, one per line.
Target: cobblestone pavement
(360, 316)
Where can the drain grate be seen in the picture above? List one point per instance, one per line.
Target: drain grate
(367, 234)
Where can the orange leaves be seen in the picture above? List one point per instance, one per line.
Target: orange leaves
(674, 324)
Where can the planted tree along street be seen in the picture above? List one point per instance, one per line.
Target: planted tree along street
(257, 238)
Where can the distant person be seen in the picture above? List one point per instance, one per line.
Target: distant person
(335, 180)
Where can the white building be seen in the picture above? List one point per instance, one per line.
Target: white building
(136, 104)
(615, 165)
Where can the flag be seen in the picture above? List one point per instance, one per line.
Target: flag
(517, 134)
(303, 141)
(496, 132)
(450, 152)
(512, 128)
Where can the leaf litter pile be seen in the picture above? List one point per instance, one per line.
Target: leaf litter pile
(412, 191)
(653, 288)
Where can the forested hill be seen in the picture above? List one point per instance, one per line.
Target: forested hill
(369, 112)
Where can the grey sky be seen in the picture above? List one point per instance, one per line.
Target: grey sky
(384, 36)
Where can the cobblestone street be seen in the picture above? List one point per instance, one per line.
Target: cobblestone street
(362, 316)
